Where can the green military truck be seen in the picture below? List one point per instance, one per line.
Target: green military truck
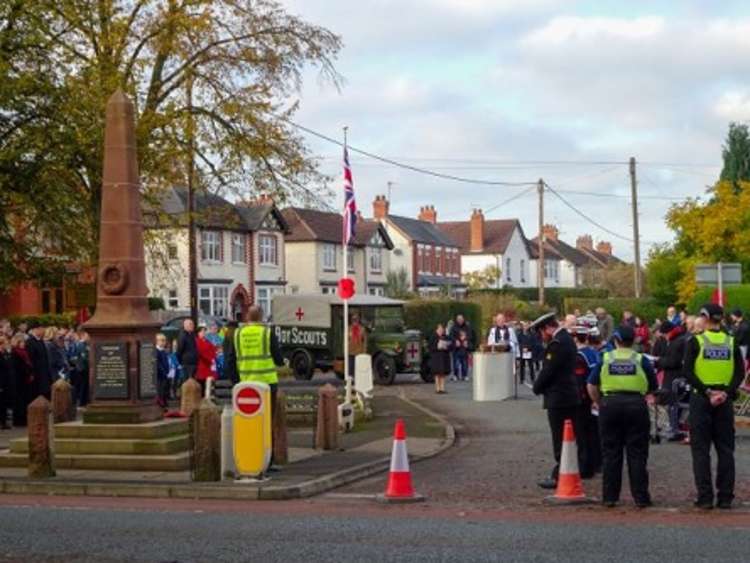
(310, 332)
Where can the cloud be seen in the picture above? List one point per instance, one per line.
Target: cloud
(734, 106)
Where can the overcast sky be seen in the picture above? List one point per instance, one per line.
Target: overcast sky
(481, 88)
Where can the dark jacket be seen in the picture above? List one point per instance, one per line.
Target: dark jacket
(557, 380)
(162, 364)
(440, 360)
(7, 382)
(471, 334)
(58, 361)
(672, 360)
(691, 354)
(741, 333)
(41, 385)
(187, 349)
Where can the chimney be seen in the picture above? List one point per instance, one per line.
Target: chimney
(380, 207)
(585, 242)
(476, 243)
(604, 247)
(550, 232)
(428, 214)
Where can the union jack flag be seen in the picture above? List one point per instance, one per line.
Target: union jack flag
(350, 206)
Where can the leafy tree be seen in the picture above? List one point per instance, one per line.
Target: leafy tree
(397, 284)
(716, 231)
(663, 273)
(221, 76)
(483, 279)
(736, 154)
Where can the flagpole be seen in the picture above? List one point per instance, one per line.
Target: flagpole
(347, 378)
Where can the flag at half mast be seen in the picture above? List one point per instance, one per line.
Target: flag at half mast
(350, 206)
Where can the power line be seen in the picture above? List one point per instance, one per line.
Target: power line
(586, 217)
(510, 199)
(401, 164)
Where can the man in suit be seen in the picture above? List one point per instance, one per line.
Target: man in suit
(37, 350)
(556, 382)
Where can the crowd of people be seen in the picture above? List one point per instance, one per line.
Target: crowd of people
(32, 358)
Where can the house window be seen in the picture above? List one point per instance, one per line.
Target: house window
(523, 270)
(265, 299)
(378, 291)
(238, 248)
(350, 260)
(268, 251)
(329, 257)
(213, 300)
(172, 251)
(508, 276)
(172, 301)
(210, 246)
(439, 265)
(328, 290)
(551, 270)
(376, 259)
(420, 258)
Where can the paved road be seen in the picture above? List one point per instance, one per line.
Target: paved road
(504, 448)
(84, 530)
(482, 505)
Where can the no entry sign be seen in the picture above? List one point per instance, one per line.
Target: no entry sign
(248, 401)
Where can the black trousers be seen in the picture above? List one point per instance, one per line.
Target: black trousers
(524, 365)
(591, 459)
(624, 424)
(712, 425)
(556, 418)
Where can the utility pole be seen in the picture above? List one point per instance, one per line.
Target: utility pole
(540, 263)
(192, 262)
(636, 236)
(390, 186)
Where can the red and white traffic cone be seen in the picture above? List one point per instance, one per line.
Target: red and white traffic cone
(400, 488)
(569, 484)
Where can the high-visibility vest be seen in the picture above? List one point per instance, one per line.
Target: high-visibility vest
(252, 344)
(715, 362)
(622, 371)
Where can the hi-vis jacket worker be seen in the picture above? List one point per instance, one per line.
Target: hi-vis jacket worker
(618, 386)
(714, 369)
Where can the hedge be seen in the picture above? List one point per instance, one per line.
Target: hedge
(65, 319)
(737, 297)
(491, 304)
(646, 308)
(554, 297)
(425, 314)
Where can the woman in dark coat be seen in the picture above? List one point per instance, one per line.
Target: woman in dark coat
(24, 373)
(7, 381)
(440, 357)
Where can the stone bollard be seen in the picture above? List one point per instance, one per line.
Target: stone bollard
(63, 408)
(327, 434)
(206, 429)
(280, 444)
(41, 454)
(190, 396)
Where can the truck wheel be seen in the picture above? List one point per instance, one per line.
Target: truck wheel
(302, 365)
(426, 373)
(384, 369)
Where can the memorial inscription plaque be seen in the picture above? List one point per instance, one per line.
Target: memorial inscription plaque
(111, 370)
(147, 374)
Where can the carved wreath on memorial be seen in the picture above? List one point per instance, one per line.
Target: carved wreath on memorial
(113, 278)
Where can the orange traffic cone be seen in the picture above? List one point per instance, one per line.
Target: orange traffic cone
(569, 485)
(399, 488)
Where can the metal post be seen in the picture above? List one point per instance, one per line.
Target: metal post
(636, 235)
(347, 378)
(720, 283)
(192, 260)
(540, 265)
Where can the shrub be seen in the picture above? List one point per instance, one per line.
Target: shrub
(737, 297)
(156, 304)
(554, 297)
(63, 320)
(425, 314)
(492, 303)
(646, 308)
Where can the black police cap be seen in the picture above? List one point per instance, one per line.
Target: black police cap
(543, 321)
(712, 311)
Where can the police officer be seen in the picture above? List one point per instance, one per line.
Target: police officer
(713, 367)
(257, 354)
(618, 386)
(556, 381)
